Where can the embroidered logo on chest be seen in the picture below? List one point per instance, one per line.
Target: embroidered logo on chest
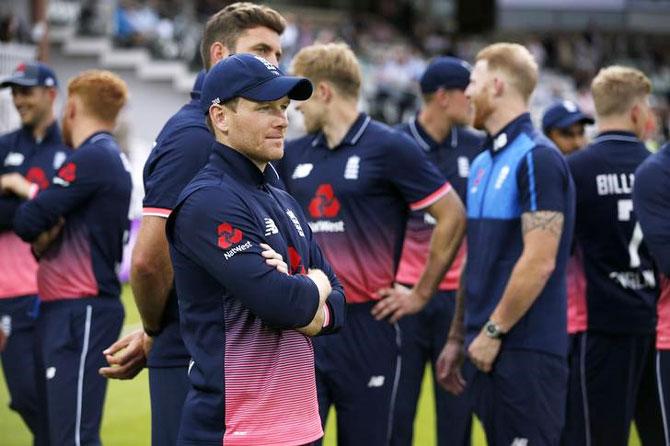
(352, 168)
(302, 170)
(463, 166)
(14, 159)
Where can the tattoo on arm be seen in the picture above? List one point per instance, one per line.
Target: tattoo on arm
(544, 220)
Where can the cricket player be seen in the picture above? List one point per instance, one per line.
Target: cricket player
(182, 148)
(520, 206)
(621, 286)
(78, 227)
(564, 123)
(357, 180)
(34, 153)
(245, 320)
(651, 201)
(440, 129)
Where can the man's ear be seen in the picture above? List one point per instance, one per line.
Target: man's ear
(324, 91)
(499, 86)
(219, 116)
(217, 52)
(70, 108)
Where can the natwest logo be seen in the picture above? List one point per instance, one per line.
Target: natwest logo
(228, 236)
(324, 203)
(37, 176)
(68, 172)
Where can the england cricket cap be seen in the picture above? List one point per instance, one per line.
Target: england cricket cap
(562, 114)
(31, 74)
(445, 72)
(250, 77)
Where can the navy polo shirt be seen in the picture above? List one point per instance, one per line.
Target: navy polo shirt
(651, 201)
(37, 161)
(357, 197)
(91, 191)
(181, 149)
(250, 369)
(520, 171)
(621, 287)
(452, 157)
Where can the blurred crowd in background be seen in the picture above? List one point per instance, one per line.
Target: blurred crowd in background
(394, 45)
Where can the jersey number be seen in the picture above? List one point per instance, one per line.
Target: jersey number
(625, 208)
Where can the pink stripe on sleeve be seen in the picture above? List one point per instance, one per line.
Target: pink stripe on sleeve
(432, 198)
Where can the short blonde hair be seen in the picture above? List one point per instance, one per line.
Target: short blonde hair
(332, 62)
(102, 92)
(516, 62)
(616, 88)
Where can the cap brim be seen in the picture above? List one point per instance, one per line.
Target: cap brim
(571, 119)
(22, 82)
(298, 88)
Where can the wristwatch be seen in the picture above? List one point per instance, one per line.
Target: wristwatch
(152, 333)
(492, 330)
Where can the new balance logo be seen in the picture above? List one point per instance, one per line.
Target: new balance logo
(302, 170)
(376, 381)
(14, 159)
(352, 167)
(519, 442)
(270, 227)
(6, 324)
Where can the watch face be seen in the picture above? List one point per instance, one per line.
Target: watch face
(492, 330)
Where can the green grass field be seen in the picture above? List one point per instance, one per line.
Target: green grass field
(126, 419)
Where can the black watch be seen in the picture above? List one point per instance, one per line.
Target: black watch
(152, 333)
(492, 330)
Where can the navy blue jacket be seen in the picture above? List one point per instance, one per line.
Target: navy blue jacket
(651, 201)
(520, 171)
(237, 312)
(621, 288)
(91, 191)
(181, 149)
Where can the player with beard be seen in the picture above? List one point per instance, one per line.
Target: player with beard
(357, 180)
(77, 227)
(440, 129)
(511, 312)
(32, 153)
(182, 148)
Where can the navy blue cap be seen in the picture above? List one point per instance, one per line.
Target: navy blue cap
(445, 72)
(562, 114)
(31, 74)
(251, 77)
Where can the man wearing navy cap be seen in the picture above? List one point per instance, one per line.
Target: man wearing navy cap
(563, 122)
(182, 147)
(440, 129)
(32, 153)
(247, 314)
(357, 180)
(77, 227)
